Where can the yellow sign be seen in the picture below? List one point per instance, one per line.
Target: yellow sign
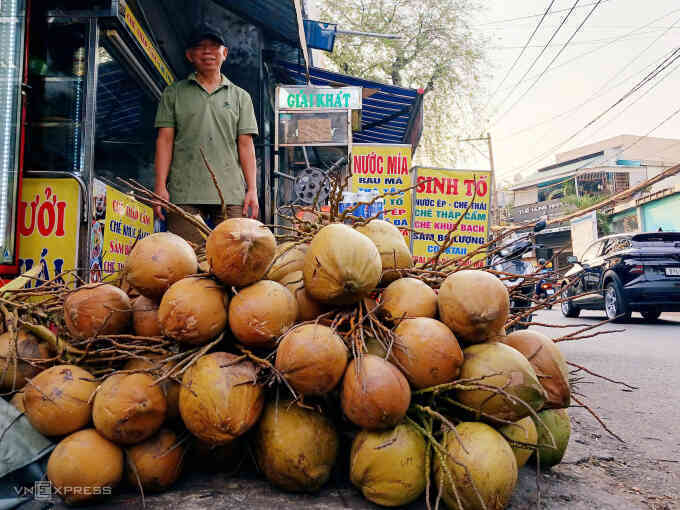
(385, 168)
(48, 217)
(441, 199)
(138, 32)
(119, 220)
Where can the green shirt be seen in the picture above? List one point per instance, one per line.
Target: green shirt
(214, 122)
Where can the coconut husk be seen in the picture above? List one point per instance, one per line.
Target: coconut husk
(548, 362)
(157, 261)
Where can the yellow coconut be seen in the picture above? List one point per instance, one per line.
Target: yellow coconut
(128, 408)
(523, 431)
(375, 395)
(308, 308)
(408, 297)
(474, 304)
(193, 310)
(478, 458)
(145, 317)
(57, 401)
(312, 358)
(158, 261)
(156, 463)
(502, 367)
(219, 399)
(296, 448)
(262, 312)
(16, 356)
(290, 257)
(427, 352)
(240, 250)
(342, 265)
(548, 362)
(554, 424)
(97, 309)
(85, 466)
(394, 252)
(388, 466)
(156, 369)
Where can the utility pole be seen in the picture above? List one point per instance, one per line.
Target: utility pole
(492, 184)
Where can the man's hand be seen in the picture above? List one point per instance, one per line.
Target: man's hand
(250, 202)
(163, 193)
(164, 145)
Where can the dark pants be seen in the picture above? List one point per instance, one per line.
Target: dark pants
(211, 214)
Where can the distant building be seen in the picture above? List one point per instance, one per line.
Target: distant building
(602, 168)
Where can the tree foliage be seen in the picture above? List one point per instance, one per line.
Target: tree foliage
(438, 52)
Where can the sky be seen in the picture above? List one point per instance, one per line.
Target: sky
(619, 44)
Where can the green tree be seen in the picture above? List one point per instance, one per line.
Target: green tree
(438, 51)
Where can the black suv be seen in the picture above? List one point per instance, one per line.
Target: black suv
(624, 273)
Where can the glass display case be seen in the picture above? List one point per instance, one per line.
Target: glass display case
(124, 144)
(12, 29)
(56, 105)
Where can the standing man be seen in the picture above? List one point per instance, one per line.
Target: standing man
(205, 111)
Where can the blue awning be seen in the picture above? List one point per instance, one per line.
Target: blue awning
(276, 16)
(389, 114)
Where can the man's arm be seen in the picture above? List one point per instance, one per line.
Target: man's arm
(164, 144)
(246, 156)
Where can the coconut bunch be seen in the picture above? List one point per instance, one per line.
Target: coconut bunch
(293, 347)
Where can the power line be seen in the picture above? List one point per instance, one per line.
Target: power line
(604, 87)
(526, 45)
(590, 52)
(531, 16)
(533, 84)
(667, 62)
(581, 43)
(638, 99)
(564, 20)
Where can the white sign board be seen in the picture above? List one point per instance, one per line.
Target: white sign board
(583, 232)
(306, 98)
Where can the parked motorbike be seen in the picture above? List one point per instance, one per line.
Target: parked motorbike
(546, 286)
(509, 260)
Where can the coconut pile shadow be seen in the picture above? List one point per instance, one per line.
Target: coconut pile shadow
(305, 352)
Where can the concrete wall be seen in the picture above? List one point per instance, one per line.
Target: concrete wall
(526, 196)
(663, 213)
(665, 150)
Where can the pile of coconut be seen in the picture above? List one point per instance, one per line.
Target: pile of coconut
(316, 356)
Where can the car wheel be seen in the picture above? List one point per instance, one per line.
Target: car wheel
(650, 315)
(568, 308)
(615, 306)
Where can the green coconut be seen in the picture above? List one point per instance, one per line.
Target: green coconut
(342, 265)
(478, 458)
(502, 367)
(557, 422)
(394, 252)
(296, 448)
(523, 431)
(388, 466)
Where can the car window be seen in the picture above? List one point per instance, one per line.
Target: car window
(592, 251)
(617, 244)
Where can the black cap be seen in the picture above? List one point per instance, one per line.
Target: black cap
(204, 31)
